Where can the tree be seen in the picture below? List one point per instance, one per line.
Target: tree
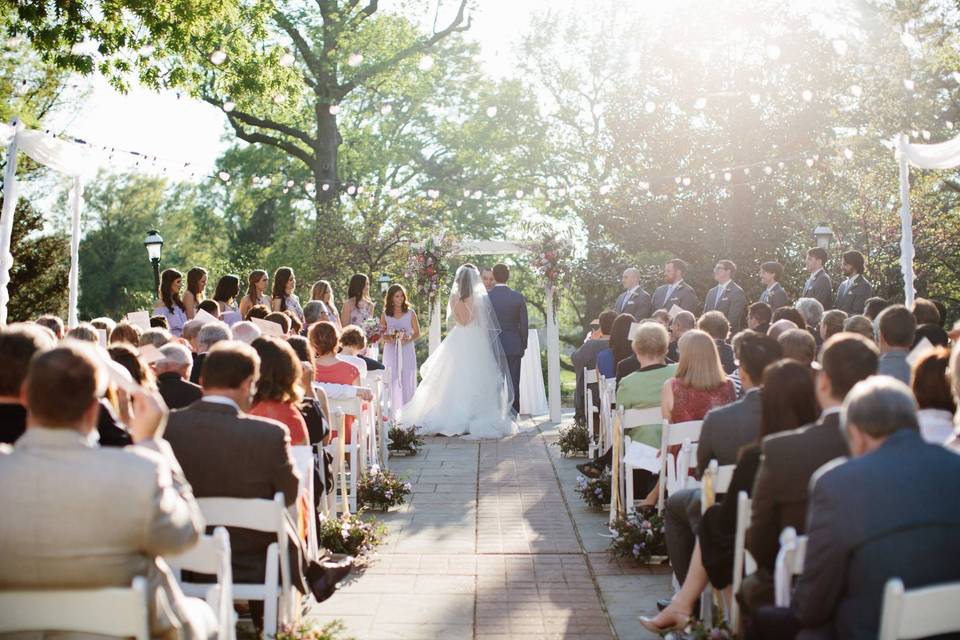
(38, 279)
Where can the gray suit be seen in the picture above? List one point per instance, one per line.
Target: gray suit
(819, 286)
(776, 296)
(892, 513)
(682, 295)
(728, 428)
(895, 365)
(638, 304)
(732, 304)
(852, 296)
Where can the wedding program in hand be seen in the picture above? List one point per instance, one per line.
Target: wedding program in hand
(465, 387)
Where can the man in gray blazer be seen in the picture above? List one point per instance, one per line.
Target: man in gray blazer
(771, 273)
(891, 512)
(634, 300)
(76, 515)
(727, 297)
(676, 291)
(818, 285)
(852, 294)
(896, 330)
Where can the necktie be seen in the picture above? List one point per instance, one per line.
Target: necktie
(669, 294)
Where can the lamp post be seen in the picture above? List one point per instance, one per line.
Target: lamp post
(823, 236)
(384, 281)
(154, 244)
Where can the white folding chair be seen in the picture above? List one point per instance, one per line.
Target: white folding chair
(211, 555)
(375, 379)
(919, 613)
(341, 408)
(716, 480)
(590, 377)
(607, 395)
(111, 611)
(633, 418)
(743, 562)
(674, 434)
(306, 462)
(789, 563)
(268, 516)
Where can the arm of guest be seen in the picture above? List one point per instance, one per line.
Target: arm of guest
(825, 562)
(763, 538)
(175, 519)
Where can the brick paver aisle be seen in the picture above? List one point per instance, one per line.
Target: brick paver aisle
(485, 549)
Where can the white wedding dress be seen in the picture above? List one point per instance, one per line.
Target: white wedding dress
(465, 387)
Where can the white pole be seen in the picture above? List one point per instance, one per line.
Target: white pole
(553, 359)
(74, 281)
(6, 220)
(906, 223)
(434, 327)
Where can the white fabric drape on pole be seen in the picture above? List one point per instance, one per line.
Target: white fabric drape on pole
(6, 217)
(76, 204)
(944, 155)
(553, 359)
(533, 397)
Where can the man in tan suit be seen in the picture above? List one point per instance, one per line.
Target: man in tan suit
(76, 515)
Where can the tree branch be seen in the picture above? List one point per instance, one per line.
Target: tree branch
(263, 123)
(312, 61)
(255, 137)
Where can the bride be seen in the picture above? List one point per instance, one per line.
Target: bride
(465, 388)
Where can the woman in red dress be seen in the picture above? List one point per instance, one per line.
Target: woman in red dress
(279, 392)
(325, 338)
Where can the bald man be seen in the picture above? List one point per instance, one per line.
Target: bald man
(633, 300)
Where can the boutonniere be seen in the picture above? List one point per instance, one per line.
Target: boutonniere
(724, 298)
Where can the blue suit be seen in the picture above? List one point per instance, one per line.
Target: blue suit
(511, 309)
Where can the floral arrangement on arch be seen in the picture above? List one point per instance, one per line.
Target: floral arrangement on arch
(551, 255)
(429, 265)
(638, 537)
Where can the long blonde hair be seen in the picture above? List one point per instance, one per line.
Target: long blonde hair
(699, 366)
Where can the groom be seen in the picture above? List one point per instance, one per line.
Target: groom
(511, 309)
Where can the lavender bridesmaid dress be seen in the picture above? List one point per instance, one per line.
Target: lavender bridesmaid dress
(403, 378)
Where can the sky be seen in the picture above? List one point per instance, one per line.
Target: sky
(178, 128)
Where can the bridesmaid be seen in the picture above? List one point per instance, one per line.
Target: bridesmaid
(284, 298)
(399, 317)
(358, 306)
(256, 294)
(169, 304)
(323, 293)
(196, 284)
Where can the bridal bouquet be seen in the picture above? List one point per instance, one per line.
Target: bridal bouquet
(371, 327)
(428, 266)
(638, 537)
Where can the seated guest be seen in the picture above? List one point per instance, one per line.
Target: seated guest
(129, 358)
(868, 525)
(126, 333)
(931, 382)
(156, 337)
(210, 334)
(832, 323)
(759, 316)
(780, 327)
(245, 331)
(296, 326)
(190, 332)
(789, 459)
(314, 407)
(954, 369)
(715, 324)
(798, 345)
(353, 342)
(257, 311)
(279, 392)
(18, 343)
(896, 326)
(212, 437)
(159, 322)
(52, 322)
(925, 312)
(126, 507)
(788, 402)
(322, 292)
(771, 273)
(173, 377)
(699, 383)
(934, 333)
(861, 325)
(618, 346)
(942, 310)
(874, 306)
(791, 314)
(105, 324)
(85, 332)
(211, 307)
(586, 356)
(681, 323)
(812, 312)
(325, 339)
(169, 304)
(314, 311)
(662, 316)
(281, 319)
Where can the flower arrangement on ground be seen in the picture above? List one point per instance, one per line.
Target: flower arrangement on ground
(638, 537)
(698, 630)
(403, 439)
(307, 631)
(349, 534)
(381, 489)
(574, 440)
(595, 491)
(428, 266)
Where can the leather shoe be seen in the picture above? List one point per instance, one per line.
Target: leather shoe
(323, 577)
(589, 470)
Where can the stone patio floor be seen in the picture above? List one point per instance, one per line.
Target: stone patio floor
(494, 544)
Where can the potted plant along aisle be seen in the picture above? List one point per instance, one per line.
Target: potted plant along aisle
(379, 490)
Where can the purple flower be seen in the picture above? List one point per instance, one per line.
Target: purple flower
(598, 491)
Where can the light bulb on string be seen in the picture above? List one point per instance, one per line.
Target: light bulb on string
(286, 189)
(909, 84)
(768, 170)
(459, 203)
(501, 193)
(686, 182)
(334, 109)
(223, 175)
(908, 40)
(290, 183)
(650, 106)
(713, 176)
(807, 95)
(385, 110)
(426, 63)
(773, 51)
(280, 98)
(477, 194)
(218, 57)
(925, 134)
(325, 187)
(466, 193)
(519, 193)
(678, 179)
(355, 60)
(809, 162)
(840, 46)
(491, 112)
(351, 190)
(727, 176)
(856, 90)
(229, 105)
(914, 134)
(561, 192)
(287, 59)
(780, 165)
(755, 99)
(746, 171)
(433, 194)
(848, 154)
(700, 103)
(359, 189)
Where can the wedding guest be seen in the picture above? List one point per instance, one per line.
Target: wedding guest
(931, 381)
(586, 356)
(173, 377)
(259, 311)
(791, 314)
(314, 311)
(860, 325)
(323, 293)
(170, 306)
(874, 306)
(832, 323)
(159, 322)
(246, 332)
(619, 348)
(155, 337)
(942, 310)
(759, 316)
(663, 317)
(284, 298)
(126, 333)
(789, 459)
(256, 293)
(190, 332)
(727, 297)
(128, 357)
(812, 312)
(954, 369)
(896, 328)
(787, 403)
(279, 393)
(126, 507)
(52, 322)
(818, 285)
(681, 323)
(934, 333)
(85, 332)
(281, 319)
(486, 275)
(210, 307)
(296, 327)
(798, 345)
(675, 291)
(925, 312)
(853, 293)
(210, 334)
(715, 324)
(18, 344)
(105, 324)
(634, 300)
(699, 383)
(324, 338)
(196, 286)
(358, 306)
(353, 342)
(857, 538)
(771, 273)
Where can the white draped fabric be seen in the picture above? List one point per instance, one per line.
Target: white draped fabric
(533, 396)
(944, 155)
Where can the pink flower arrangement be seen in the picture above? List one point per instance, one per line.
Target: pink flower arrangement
(427, 267)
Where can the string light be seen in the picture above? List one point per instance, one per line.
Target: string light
(385, 110)
(856, 91)
(355, 60)
(334, 109)
(229, 105)
(754, 99)
(426, 63)
(727, 176)
(909, 84)
(840, 46)
(807, 95)
(519, 193)
(287, 59)
(491, 112)
(686, 182)
(650, 106)
(280, 98)
(223, 175)
(700, 103)
(848, 154)
(218, 57)
(773, 51)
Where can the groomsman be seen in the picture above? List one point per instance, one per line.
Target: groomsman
(853, 292)
(771, 273)
(634, 300)
(676, 291)
(819, 285)
(727, 297)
